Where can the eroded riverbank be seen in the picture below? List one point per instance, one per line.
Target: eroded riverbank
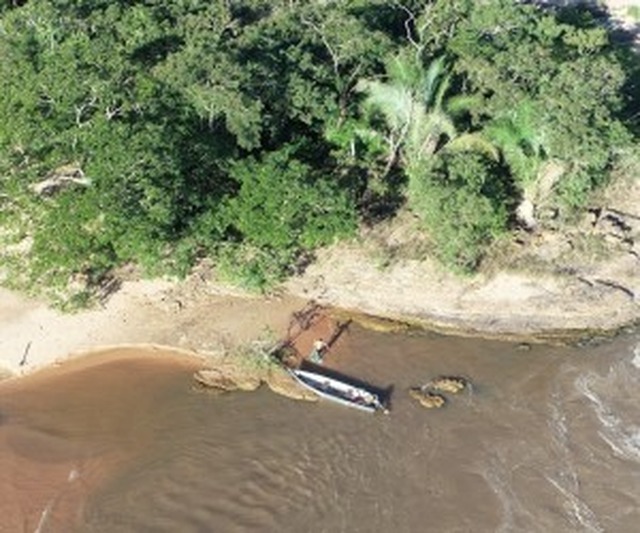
(559, 286)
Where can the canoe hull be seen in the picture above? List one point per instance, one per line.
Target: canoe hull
(338, 391)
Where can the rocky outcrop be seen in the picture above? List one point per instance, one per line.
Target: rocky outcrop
(430, 394)
(452, 385)
(226, 379)
(282, 383)
(236, 376)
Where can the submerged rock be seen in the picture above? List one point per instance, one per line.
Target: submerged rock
(282, 383)
(426, 399)
(428, 394)
(226, 380)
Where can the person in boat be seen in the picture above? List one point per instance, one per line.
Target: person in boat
(352, 395)
(318, 351)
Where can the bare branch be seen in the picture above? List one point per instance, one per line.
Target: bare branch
(407, 26)
(334, 55)
(80, 110)
(112, 112)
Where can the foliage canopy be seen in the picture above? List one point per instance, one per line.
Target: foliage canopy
(255, 131)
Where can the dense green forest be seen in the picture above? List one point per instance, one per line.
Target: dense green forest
(160, 132)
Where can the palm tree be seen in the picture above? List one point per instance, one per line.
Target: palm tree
(418, 115)
(521, 145)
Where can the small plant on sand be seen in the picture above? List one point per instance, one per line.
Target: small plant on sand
(258, 355)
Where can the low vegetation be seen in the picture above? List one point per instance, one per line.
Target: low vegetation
(252, 132)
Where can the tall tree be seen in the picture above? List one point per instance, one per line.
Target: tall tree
(552, 87)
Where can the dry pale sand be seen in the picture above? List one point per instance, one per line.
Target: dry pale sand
(513, 305)
(201, 316)
(190, 316)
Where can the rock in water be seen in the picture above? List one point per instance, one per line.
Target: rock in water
(452, 385)
(428, 400)
(282, 383)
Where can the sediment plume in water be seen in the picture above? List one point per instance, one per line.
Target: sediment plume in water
(542, 442)
(64, 431)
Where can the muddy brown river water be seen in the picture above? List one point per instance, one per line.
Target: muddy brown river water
(547, 439)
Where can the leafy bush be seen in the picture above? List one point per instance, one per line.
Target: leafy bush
(551, 77)
(462, 200)
(282, 209)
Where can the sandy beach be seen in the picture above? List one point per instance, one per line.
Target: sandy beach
(568, 295)
(181, 315)
(201, 316)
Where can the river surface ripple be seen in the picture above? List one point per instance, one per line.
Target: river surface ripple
(546, 439)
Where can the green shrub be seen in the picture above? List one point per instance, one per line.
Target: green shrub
(461, 199)
(282, 210)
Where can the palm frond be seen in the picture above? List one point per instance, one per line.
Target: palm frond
(439, 123)
(430, 83)
(404, 70)
(473, 142)
(504, 133)
(427, 131)
(393, 101)
(417, 131)
(518, 127)
(524, 168)
(461, 103)
(443, 87)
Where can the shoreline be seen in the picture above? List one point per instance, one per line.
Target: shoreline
(562, 284)
(203, 318)
(591, 300)
(550, 286)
